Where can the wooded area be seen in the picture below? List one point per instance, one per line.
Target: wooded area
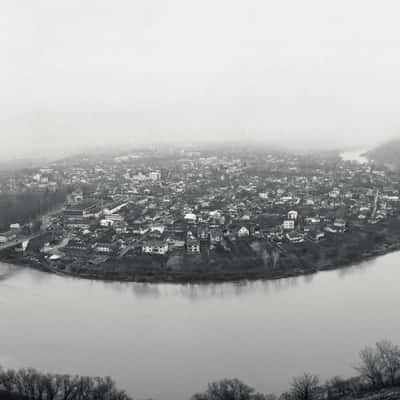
(26, 206)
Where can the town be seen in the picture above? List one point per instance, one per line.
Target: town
(202, 214)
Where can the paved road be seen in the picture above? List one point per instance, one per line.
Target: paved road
(17, 242)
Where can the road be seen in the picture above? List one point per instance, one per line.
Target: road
(17, 242)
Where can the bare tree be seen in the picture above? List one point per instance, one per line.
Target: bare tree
(389, 360)
(369, 366)
(304, 387)
(227, 389)
(261, 396)
(337, 386)
(33, 385)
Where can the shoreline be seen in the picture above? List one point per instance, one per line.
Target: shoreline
(207, 278)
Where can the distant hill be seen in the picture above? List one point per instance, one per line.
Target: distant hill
(387, 153)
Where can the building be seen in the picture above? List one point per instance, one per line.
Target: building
(157, 228)
(339, 224)
(288, 224)
(102, 247)
(295, 237)
(7, 237)
(155, 247)
(190, 218)
(155, 175)
(192, 245)
(83, 209)
(16, 228)
(243, 232)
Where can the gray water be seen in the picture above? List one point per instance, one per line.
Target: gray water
(167, 341)
(355, 156)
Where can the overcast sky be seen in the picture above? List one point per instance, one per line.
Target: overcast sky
(79, 72)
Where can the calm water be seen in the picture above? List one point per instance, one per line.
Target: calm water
(355, 156)
(168, 341)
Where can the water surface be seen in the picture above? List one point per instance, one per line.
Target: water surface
(167, 341)
(357, 156)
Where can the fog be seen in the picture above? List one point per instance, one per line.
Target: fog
(294, 73)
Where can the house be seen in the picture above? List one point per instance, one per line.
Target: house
(190, 218)
(155, 247)
(121, 227)
(243, 232)
(330, 229)
(293, 215)
(313, 220)
(76, 245)
(288, 224)
(340, 224)
(203, 234)
(155, 175)
(114, 217)
(7, 237)
(295, 237)
(103, 247)
(316, 236)
(334, 194)
(84, 209)
(216, 235)
(106, 223)
(192, 245)
(157, 228)
(16, 228)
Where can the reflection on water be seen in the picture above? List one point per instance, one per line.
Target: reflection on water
(205, 291)
(355, 269)
(167, 341)
(6, 270)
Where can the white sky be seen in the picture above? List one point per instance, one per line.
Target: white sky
(78, 72)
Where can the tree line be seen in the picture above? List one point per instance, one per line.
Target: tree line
(378, 368)
(24, 207)
(30, 384)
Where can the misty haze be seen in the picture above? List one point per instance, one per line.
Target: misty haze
(297, 74)
(199, 200)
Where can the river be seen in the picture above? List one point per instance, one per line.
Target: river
(357, 156)
(167, 341)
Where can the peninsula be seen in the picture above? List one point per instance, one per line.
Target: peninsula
(199, 214)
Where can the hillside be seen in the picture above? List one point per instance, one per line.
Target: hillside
(387, 153)
(384, 394)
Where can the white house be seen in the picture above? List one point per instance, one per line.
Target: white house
(155, 247)
(288, 224)
(243, 232)
(157, 228)
(106, 223)
(339, 223)
(190, 217)
(293, 214)
(295, 237)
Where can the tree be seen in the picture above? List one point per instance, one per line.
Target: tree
(227, 389)
(33, 385)
(260, 396)
(304, 387)
(389, 360)
(338, 386)
(369, 367)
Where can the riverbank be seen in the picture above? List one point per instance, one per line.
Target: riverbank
(199, 277)
(250, 259)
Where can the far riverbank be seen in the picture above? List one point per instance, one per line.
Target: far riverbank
(244, 259)
(194, 277)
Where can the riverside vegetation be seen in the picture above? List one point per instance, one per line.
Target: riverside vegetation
(378, 379)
